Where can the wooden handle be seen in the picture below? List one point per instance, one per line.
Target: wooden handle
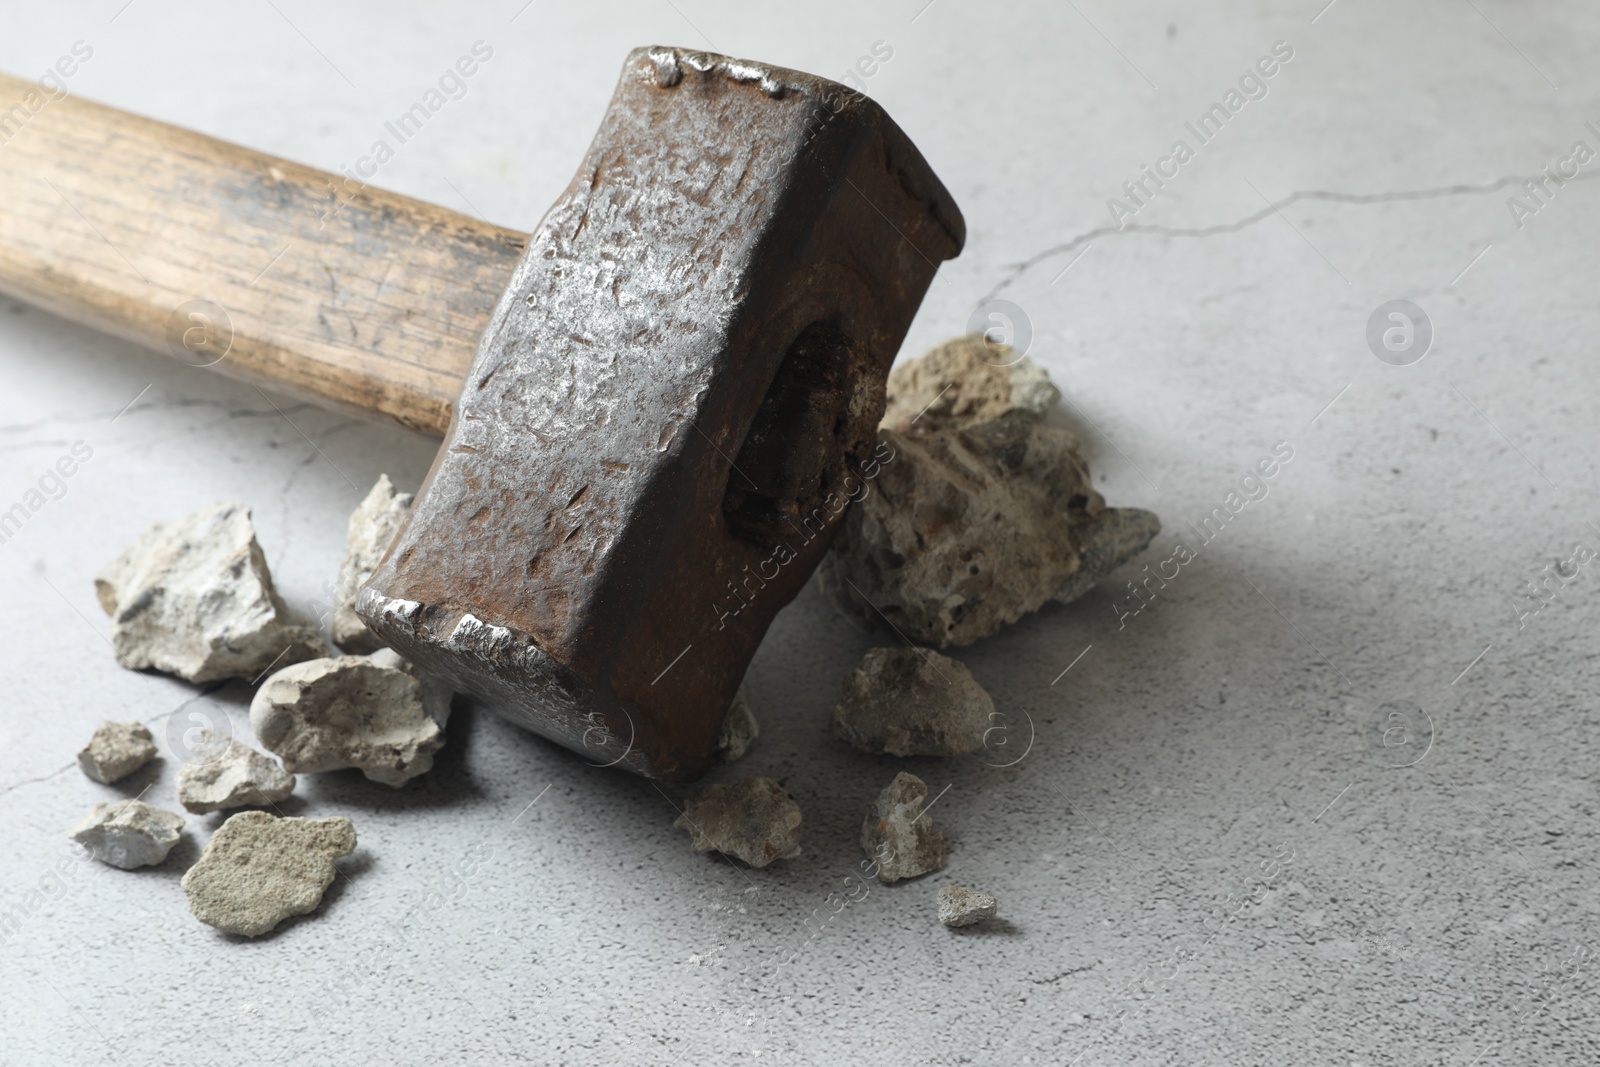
(340, 294)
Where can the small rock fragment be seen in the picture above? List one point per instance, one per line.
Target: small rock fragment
(116, 750)
(372, 529)
(237, 777)
(960, 906)
(912, 702)
(258, 870)
(962, 381)
(194, 598)
(370, 712)
(128, 833)
(899, 839)
(754, 820)
(738, 729)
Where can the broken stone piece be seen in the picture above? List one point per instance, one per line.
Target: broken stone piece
(912, 702)
(965, 380)
(960, 906)
(370, 712)
(116, 750)
(128, 833)
(897, 836)
(237, 777)
(372, 529)
(970, 528)
(738, 729)
(194, 598)
(754, 820)
(258, 870)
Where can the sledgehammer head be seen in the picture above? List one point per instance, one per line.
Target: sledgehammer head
(672, 405)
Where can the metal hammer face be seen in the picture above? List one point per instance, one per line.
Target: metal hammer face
(672, 405)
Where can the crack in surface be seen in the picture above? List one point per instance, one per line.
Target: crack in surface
(1016, 270)
(8, 790)
(1063, 974)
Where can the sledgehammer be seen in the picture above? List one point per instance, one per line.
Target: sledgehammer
(669, 382)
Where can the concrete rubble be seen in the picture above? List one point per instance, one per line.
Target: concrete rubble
(897, 836)
(912, 702)
(371, 712)
(754, 820)
(960, 906)
(372, 530)
(128, 833)
(983, 511)
(194, 598)
(739, 729)
(236, 777)
(259, 869)
(116, 750)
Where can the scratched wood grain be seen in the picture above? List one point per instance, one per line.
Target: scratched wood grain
(344, 295)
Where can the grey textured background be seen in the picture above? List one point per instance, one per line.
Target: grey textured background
(1443, 913)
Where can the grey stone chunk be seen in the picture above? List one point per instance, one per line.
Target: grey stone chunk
(128, 833)
(258, 870)
(194, 598)
(372, 529)
(967, 529)
(898, 838)
(962, 381)
(960, 906)
(370, 712)
(754, 820)
(116, 750)
(912, 702)
(738, 729)
(1115, 537)
(237, 776)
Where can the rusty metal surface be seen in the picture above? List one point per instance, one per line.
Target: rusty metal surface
(669, 409)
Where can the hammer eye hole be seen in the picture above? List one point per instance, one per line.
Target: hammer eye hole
(795, 451)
